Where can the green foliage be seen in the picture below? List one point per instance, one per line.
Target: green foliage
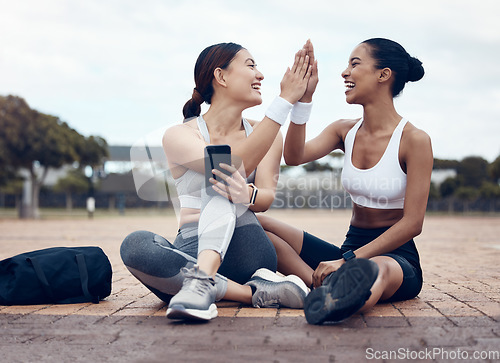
(473, 170)
(92, 151)
(29, 138)
(434, 193)
(494, 170)
(12, 186)
(75, 181)
(317, 166)
(445, 164)
(467, 193)
(489, 190)
(7, 172)
(449, 186)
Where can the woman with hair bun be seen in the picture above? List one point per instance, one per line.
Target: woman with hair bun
(221, 250)
(387, 170)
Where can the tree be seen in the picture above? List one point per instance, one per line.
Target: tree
(7, 172)
(434, 193)
(316, 166)
(35, 142)
(93, 150)
(467, 195)
(74, 182)
(490, 192)
(448, 187)
(473, 170)
(445, 164)
(494, 170)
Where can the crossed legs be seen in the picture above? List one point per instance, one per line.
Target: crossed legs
(288, 242)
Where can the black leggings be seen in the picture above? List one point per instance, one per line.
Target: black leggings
(314, 250)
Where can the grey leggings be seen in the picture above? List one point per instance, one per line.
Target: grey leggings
(157, 263)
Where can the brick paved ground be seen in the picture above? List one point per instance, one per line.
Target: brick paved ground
(456, 315)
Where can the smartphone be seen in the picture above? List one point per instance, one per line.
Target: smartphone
(214, 155)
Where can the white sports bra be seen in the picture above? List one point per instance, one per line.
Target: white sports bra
(384, 185)
(190, 184)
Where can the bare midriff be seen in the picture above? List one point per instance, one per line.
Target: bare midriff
(189, 215)
(363, 217)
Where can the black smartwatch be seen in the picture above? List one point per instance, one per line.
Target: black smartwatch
(349, 255)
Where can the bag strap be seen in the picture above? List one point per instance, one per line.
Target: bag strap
(84, 278)
(41, 277)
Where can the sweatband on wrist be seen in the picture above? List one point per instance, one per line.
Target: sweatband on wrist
(278, 110)
(301, 112)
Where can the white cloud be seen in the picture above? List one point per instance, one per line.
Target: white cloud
(123, 68)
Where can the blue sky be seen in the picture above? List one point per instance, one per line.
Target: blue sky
(124, 69)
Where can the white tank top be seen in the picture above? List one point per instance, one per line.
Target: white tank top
(384, 185)
(190, 184)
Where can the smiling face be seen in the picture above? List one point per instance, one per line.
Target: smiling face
(361, 78)
(243, 79)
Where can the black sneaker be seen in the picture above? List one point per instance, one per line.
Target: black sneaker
(342, 293)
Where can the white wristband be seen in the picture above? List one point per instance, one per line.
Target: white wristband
(278, 110)
(300, 113)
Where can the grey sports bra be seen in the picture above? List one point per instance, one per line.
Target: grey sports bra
(190, 184)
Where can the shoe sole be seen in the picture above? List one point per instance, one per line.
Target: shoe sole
(180, 312)
(268, 275)
(344, 293)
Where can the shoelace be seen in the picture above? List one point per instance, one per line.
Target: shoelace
(198, 283)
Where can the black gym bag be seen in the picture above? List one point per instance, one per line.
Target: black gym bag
(58, 275)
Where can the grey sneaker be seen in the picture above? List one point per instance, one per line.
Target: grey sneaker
(196, 299)
(273, 290)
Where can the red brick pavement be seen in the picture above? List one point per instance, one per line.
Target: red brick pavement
(456, 315)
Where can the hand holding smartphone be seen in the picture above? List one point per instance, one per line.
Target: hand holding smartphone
(214, 155)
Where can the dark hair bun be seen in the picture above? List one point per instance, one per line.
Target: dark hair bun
(415, 71)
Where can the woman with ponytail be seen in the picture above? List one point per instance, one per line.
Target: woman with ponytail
(387, 170)
(221, 250)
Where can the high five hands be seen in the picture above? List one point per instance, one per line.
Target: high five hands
(313, 78)
(299, 82)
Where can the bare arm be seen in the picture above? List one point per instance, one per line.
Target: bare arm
(297, 151)
(266, 177)
(184, 147)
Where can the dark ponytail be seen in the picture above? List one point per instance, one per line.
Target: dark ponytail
(193, 106)
(213, 57)
(389, 54)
